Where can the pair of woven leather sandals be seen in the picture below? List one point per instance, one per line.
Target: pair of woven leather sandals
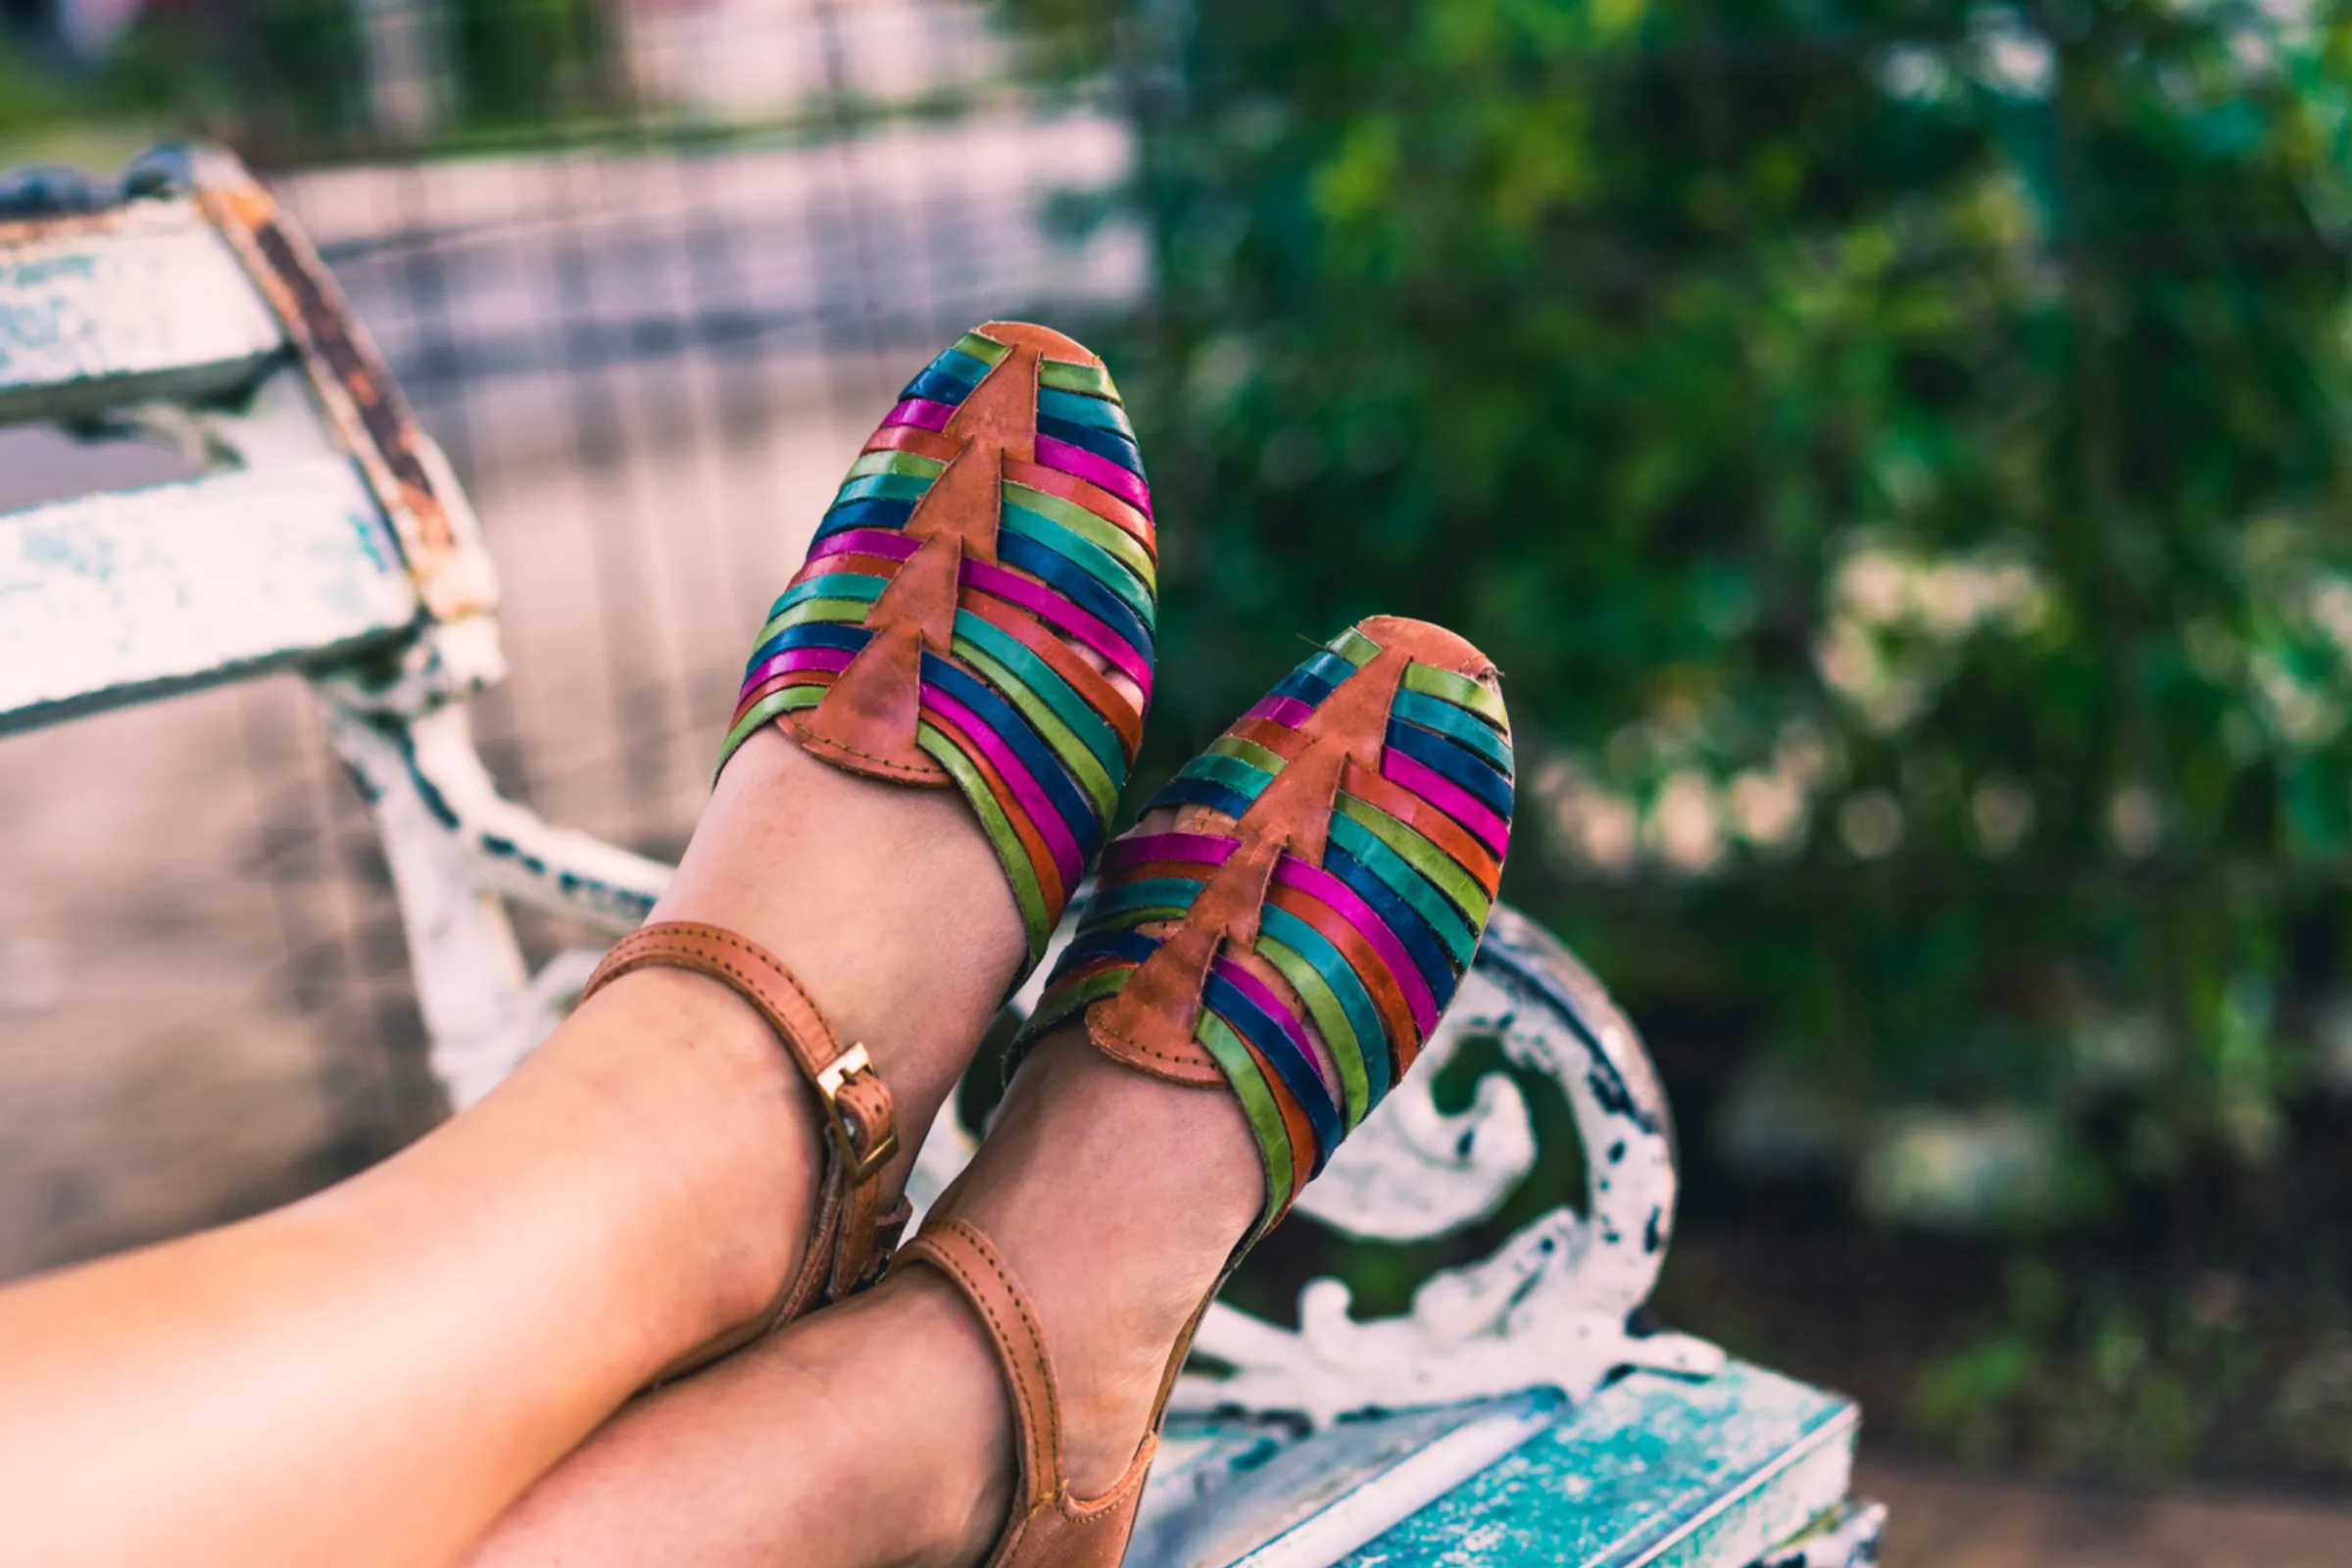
(978, 610)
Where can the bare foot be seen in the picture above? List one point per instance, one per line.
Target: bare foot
(878, 1432)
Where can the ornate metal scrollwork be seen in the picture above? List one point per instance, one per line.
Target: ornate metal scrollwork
(1551, 1306)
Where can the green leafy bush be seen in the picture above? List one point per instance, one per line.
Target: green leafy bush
(1895, 454)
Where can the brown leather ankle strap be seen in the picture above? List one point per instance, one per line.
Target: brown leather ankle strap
(860, 1116)
(959, 1250)
(1046, 1527)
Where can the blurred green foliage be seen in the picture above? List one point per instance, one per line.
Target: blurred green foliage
(288, 80)
(1895, 453)
(521, 59)
(2097, 1374)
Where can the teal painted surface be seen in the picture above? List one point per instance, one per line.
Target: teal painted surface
(148, 303)
(118, 597)
(1235, 1494)
(1652, 1471)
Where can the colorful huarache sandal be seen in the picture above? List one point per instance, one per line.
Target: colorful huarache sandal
(977, 611)
(1292, 936)
(979, 606)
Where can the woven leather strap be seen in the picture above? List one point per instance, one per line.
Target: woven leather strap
(852, 1234)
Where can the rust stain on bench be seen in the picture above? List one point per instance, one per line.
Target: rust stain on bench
(358, 393)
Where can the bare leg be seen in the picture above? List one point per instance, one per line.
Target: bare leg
(371, 1375)
(879, 1433)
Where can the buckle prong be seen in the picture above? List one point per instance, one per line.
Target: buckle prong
(829, 1081)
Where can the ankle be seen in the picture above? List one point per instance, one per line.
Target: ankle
(790, 845)
(697, 1102)
(1116, 1249)
(944, 1475)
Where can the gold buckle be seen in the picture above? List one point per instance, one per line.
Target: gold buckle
(840, 1071)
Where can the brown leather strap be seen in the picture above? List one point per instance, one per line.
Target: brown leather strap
(889, 1226)
(860, 1116)
(959, 1250)
(1045, 1527)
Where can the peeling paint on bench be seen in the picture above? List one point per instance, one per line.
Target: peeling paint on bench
(439, 538)
(1746, 1467)
(115, 597)
(1654, 1472)
(147, 303)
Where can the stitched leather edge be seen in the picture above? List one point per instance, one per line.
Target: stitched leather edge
(851, 759)
(1041, 1428)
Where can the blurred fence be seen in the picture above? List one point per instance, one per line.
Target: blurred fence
(649, 295)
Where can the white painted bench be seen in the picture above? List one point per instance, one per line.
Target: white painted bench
(1511, 1417)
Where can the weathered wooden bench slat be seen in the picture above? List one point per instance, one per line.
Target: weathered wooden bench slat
(117, 598)
(149, 302)
(1652, 1472)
